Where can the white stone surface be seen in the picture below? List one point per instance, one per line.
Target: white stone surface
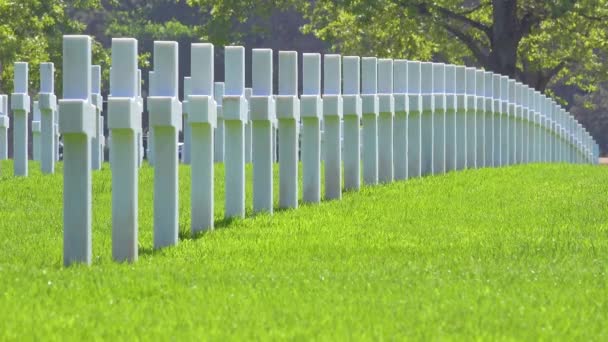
(414, 140)
(352, 119)
(426, 119)
(48, 111)
(450, 118)
(97, 101)
(332, 116)
(165, 114)
(480, 119)
(288, 114)
(311, 112)
(439, 117)
(20, 104)
(76, 115)
(471, 118)
(202, 120)
(186, 129)
(4, 126)
(370, 112)
(218, 93)
(234, 112)
(386, 104)
(124, 122)
(400, 120)
(461, 118)
(489, 119)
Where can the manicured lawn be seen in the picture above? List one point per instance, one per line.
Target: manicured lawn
(514, 253)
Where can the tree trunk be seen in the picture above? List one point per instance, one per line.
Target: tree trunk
(505, 38)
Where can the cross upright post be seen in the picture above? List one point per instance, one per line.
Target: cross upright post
(47, 101)
(439, 117)
(311, 112)
(400, 122)
(76, 124)
(480, 119)
(124, 121)
(97, 102)
(20, 104)
(386, 108)
(426, 118)
(332, 116)
(202, 118)
(370, 108)
(450, 118)
(235, 115)
(352, 119)
(471, 118)
(165, 116)
(186, 146)
(4, 126)
(414, 139)
(461, 118)
(263, 108)
(288, 114)
(36, 131)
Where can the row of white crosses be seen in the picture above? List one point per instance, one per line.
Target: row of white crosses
(410, 118)
(45, 131)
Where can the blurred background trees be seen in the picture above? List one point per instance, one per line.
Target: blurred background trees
(556, 46)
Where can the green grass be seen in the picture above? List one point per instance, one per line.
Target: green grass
(514, 253)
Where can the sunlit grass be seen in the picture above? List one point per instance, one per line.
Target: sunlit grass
(514, 253)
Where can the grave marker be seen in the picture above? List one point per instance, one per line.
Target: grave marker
(511, 122)
(488, 119)
(235, 115)
(471, 118)
(186, 147)
(4, 126)
(450, 118)
(124, 121)
(262, 114)
(414, 139)
(497, 133)
(97, 101)
(76, 115)
(504, 120)
(202, 119)
(352, 118)
(36, 132)
(386, 106)
(426, 118)
(370, 108)
(288, 114)
(400, 121)
(20, 104)
(480, 119)
(47, 102)
(165, 115)
(218, 136)
(332, 116)
(311, 112)
(248, 128)
(461, 118)
(439, 117)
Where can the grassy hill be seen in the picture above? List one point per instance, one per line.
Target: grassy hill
(514, 253)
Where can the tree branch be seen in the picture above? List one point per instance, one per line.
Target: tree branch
(425, 9)
(469, 42)
(446, 13)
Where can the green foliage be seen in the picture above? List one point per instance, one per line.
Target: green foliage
(553, 41)
(518, 253)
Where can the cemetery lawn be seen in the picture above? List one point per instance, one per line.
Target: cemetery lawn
(514, 253)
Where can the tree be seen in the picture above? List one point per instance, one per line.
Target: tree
(536, 42)
(31, 31)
